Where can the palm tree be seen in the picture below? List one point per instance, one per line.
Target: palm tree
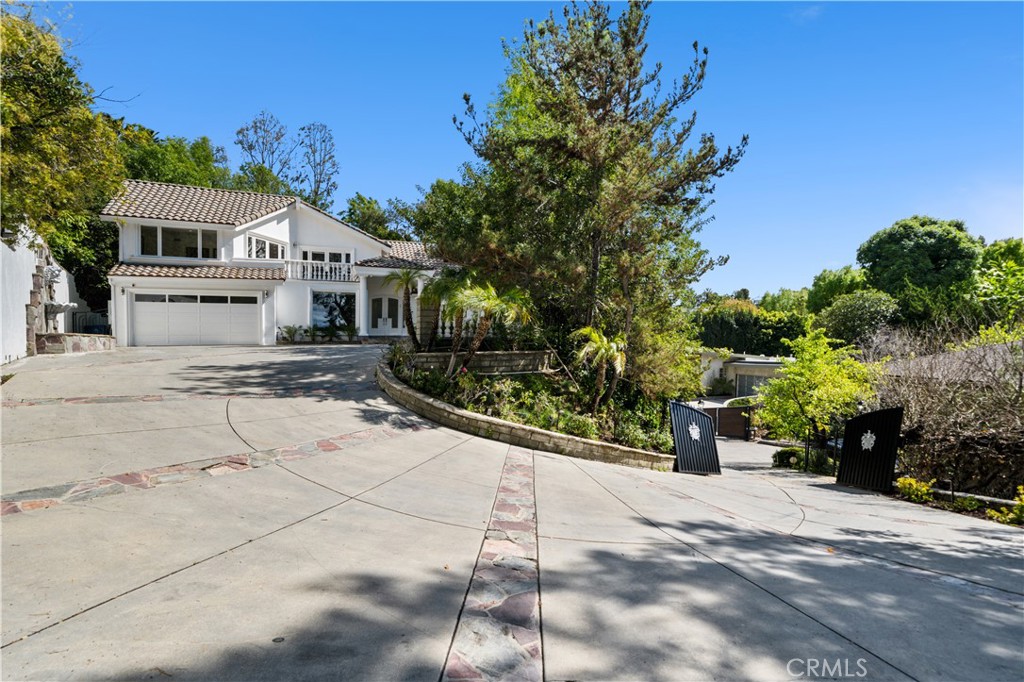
(601, 351)
(510, 306)
(406, 279)
(437, 292)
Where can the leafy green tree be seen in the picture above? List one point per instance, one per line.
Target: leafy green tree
(1009, 250)
(739, 330)
(1000, 281)
(147, 157)
(589, 170)
(601, 352)
(257, 178)
(785, 301)
(58, 159)
(820, 385)
(369, 216)
(775, 328)
(853, 318)
(742, 327)
(829, 285)
(406, 279)
(919, 253)
(512, 306)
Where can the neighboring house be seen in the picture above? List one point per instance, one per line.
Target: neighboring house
(213, 266)
(745, 372)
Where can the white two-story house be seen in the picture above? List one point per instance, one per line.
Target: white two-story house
(212, 266)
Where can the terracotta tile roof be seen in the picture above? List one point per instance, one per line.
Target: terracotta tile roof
(164, 201)
(195, 271)
(404, 255)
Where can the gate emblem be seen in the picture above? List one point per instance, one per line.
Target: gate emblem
(867, 440)
(694, 431)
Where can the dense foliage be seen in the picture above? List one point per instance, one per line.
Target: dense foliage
(743, 327)
(921, 258)
(828, 285)
(587, 193)
(853, 318)
(963, 405)
(821, 386)
(58, 159)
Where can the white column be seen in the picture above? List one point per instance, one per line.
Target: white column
(420, 283)
(363, 306)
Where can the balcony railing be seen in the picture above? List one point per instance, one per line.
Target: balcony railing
(319, 271)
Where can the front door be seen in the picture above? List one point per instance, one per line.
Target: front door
(385, 316)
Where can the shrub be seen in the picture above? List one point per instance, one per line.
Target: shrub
(966, 504)
(661, 441)
(432, 382)
(581, 425)
(915, 490)
(1014, 515)
(793, 458)
(399, 357)
(721, 386)
(291, 332)
(631, 434)
(960, 390)
(787, 457)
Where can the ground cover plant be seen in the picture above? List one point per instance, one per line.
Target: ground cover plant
(554, 401)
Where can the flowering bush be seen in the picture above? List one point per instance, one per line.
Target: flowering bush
(915, 490)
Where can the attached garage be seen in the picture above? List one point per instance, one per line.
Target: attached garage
(168, 319)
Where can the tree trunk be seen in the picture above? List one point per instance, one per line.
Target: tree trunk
(410, 328)
(592, 277)
(456, 340)
(615, 375)
(478, 339)
(602, 368)
(432, 338)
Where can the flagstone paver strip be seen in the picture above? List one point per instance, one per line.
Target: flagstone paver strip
(498, 633)
(175, 397)
(78, 491)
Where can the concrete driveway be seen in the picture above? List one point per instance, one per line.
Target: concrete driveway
(268, 514)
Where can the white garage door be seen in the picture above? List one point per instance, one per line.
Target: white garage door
(195, 319)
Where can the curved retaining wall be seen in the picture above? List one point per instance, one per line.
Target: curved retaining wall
(512, 433)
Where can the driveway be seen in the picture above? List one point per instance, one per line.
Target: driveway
(268, 514)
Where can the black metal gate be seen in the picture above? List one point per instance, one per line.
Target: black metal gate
(869, 449)
(694, 436)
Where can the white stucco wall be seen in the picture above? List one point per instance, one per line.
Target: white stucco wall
(294, 299)
(16, 266)
(313, 229)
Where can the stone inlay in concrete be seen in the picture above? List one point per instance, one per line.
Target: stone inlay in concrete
(176, 397)
(78, 491)
(498, 634)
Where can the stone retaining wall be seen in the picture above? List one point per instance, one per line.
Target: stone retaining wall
(514, 434)
(491, 362)
(52, 344)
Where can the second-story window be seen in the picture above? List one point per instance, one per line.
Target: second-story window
(177, 242)
(264, 248)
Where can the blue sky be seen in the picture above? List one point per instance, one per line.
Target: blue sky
(859, 114)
